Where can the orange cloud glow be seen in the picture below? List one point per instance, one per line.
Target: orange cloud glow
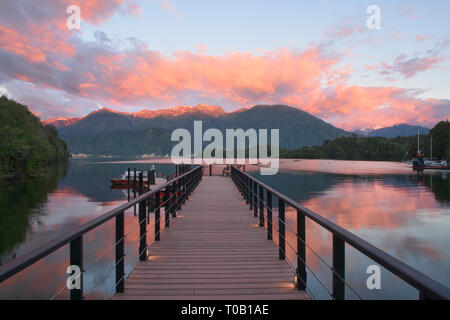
(312, 79)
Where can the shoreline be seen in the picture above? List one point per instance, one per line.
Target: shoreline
(348, 167)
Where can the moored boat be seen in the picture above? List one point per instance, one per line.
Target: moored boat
(128, 180)
(421, 164)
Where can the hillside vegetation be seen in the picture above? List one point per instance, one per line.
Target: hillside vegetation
(26, 145)
(378, 148)
(122, 143)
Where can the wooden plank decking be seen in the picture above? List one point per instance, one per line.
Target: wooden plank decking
(214, 250)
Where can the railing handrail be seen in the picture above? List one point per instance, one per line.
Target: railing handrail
(22, 262)
(413, 277)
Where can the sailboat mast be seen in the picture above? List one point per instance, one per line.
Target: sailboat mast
(418, 141)
(431, 148)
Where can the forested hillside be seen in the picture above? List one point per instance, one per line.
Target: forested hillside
(26, 145)
(122, 143)
(378, 148)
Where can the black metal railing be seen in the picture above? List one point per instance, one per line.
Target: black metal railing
(260, 196)
(176, 192)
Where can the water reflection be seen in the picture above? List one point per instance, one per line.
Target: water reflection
(406, 215)
(20, 204)
(40, 209)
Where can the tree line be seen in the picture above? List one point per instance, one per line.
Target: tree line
(26, 145)
(378, 148)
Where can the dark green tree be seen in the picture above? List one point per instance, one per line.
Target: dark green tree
(441, 139)
(26, 145)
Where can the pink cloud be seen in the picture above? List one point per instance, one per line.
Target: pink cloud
(420, 38)
(312, 79)
(19, 44)
(408, 67)
(97, 11)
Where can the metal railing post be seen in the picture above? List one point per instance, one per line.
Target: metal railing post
(250, 195)
(142, 224)
(120, 253)
(255, 199)
(183, 190)
(166, 207)
(157, 216)
(172, 201)
(247, 193)
(76, 259)
(177, 197)
(128, 184)
(338, 268)
(281, 229)
(188, 186)
(301, 252)
(149, 207)
(269, 215)
(134, 189)
(261, 206)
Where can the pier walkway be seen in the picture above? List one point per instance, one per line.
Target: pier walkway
(216, 245)
(214, 250)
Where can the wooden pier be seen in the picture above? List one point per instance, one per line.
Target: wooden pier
(214, 250)
(217, 246)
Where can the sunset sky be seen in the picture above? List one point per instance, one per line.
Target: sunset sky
(150, 54)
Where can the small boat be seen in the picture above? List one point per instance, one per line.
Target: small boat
(421, 164)
(418, 162)
(437, 165)
(127, 179)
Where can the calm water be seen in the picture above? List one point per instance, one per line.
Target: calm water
(43, 208)
(406, 215)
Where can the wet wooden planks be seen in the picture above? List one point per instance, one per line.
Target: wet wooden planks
(214, 250)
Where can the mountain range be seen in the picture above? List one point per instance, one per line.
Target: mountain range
(399, 130)
(93, 133)
(109, 132)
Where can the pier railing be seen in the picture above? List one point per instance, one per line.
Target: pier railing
(260, 198)
(175, 192)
